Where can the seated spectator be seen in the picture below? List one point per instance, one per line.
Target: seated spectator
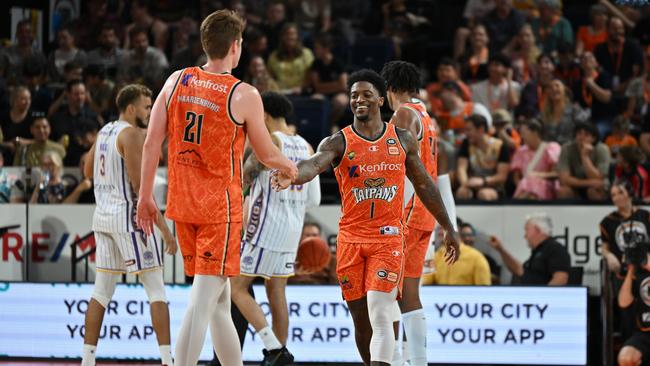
(447, 71)
(156, 30)
(503, 130)
(143, 64)
(631, 172)
(258, 76)
(503, 23)
(35, 78)
(276, 18)
(72, 70)
(557, 117)
(596, 32)
(30, 155)
(51, 187)
(593, 93)
(108, 53)
(15, 122)
(474, 13)
(533, 96)
(290, 63)
(620, 135)
(6, 181)
(81, 140)
(328, 78)
(621, 57)
(468, 237)
(638, 93)
(533, 165)
(66, 51)
(524, 53)
(551, 28)
(583, 165)
(73, 115)
(644, 138)
(567, 68)
(632, 296)
(101, 90)
(24, 48)
(499, 91)
(82, 192)
(549, 262)
(313, 16)
(483, 163)
(455, 110)
(475, 60)
(323, 277)
(193, 55)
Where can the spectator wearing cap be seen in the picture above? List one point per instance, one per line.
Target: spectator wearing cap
(483, 163)
(499, 90)
(533, 96)
(584, 165)
(593, 93)
(101, 90)
(557, 117)
(551, 28)
(630, 171)
(620, 135)
(503, 23)
(474, 60)
(596, 32)
(619, 56)
(108, 53)
(30, 155)
(446, 71)
(503, 129)
(455, 110)
(533, 164)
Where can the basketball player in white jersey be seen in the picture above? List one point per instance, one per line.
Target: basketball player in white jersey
(114, 163)
(273, 232)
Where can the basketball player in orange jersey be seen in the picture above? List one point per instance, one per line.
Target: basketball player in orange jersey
(371, 160)
(403, 81)
(206, 114)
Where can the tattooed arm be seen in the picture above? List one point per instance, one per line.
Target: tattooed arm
(253, 167)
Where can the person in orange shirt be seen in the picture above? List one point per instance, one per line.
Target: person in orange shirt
(620, 135)
(590, 35)
(447, 71)
(402, 81)
(206, 113)
(372, 160)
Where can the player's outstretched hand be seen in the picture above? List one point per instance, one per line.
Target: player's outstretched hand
(452, 248)
(170, 244)
(291, 171)
(280, 181)
(147, 214)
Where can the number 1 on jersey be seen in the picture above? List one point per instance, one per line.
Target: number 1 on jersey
(193, 135)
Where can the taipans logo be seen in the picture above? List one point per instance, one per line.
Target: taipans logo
(186, 79)
(374, 190)
(644, 290)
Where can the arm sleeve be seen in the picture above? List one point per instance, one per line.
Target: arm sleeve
(313, 193)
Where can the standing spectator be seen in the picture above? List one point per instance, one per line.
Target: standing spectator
(101, 90)
(630, 172)
(108, 53)
(503, 23)
(15, 122)
(551, 28)
(549, 262)
(474, 62)
(328, 77)
(591, 35)
(534, 94)
(557, 117)
(483, 163)
(524, 53)
(24, 48)
(455, 110)
(276, 17)
(499, 91)
(156, 30)
(447, 71)
(30, 155)
(258, 76)
(66, 52)
(593, 93)
(533, 165)
(583, 165)
(290, 63)
(620, 135)
(619, 56)
(143, 64)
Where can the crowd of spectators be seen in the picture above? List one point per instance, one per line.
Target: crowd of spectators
(531, 105)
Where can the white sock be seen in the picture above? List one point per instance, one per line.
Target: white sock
(405, 351)
(223, 332)
(88, 358)
(269, 339)
(203, 300)
(166, 355)
(397, 355)
(415, 327)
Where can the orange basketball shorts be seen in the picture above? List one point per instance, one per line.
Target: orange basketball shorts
(417, 243)
(363, 267)
(210, 249)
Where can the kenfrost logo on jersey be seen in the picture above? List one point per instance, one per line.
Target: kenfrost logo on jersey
(186, 79)
(189, 79)
(374, 190)
(353, 171)
(375, 168)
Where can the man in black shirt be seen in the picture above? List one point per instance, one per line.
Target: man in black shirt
(620, 57)
(549, 262)
(636, 291)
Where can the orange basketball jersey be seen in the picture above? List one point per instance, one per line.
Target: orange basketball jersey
(206, 146)
(416, 215)
(371, 181)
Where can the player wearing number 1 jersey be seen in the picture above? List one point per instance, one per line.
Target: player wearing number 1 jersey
(372, 160)
(403, 81)
(206, 114)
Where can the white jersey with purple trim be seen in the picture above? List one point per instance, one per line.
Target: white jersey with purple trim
(275, 219)
(116, 201)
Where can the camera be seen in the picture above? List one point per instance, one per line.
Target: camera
(636, 253)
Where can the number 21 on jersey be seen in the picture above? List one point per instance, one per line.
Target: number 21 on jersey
(193, 127)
